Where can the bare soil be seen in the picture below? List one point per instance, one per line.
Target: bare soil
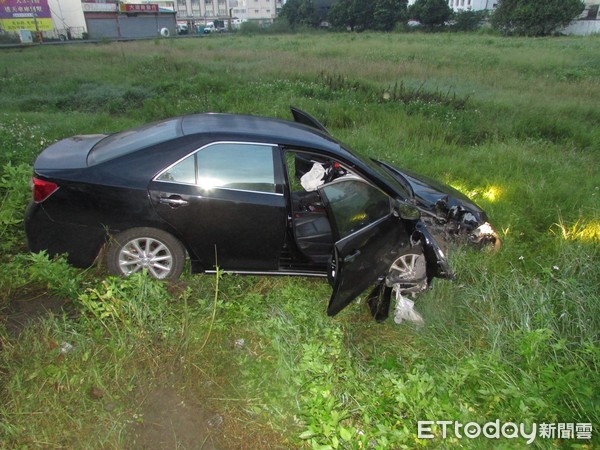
(170, 421)
(167, 417)
(28, 308)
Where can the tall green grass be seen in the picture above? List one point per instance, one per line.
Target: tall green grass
(512, 123)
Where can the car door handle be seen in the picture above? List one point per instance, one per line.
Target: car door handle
(352, 257)
(174, 201)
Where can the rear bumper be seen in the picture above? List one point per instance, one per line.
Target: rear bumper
(81, 244)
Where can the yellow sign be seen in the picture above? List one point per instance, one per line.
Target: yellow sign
(26, 23)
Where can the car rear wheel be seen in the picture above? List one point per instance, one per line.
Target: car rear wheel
(154, 250)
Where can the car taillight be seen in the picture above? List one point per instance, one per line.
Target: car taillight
(42, 189)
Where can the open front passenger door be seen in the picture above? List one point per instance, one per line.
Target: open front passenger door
(368, 237)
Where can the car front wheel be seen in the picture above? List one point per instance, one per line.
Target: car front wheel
(154, 250)
(409, 271)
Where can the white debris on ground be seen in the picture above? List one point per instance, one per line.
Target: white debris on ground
(65, 348)
(405, 308)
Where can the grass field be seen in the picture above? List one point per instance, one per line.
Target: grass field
(247, 362)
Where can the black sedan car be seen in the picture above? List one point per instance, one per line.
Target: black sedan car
(250, 195)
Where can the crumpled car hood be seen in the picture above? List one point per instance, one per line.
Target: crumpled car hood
(431, 195)
(447, 212)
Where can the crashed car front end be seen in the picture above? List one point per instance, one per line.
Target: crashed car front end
(448, 214)
(445, 216)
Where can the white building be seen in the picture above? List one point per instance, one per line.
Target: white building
(468, 5)
(209, 10)
(257, 10)
(202, 9)
(472, 5)
(588, 22)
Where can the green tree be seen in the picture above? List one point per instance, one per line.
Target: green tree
(300, 13)
(535, 17)
(387, 13)
(431, 13)
(339, 14)
(357, 15)
(468, 20)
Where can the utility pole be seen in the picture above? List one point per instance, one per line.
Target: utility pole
(118, 22)
(38, 33)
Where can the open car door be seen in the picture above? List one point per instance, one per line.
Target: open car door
(368, 237)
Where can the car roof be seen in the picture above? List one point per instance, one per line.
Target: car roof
(217, 127)
(257, 128)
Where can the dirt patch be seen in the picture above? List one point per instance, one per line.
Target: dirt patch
(168, 420)
(169, 417)
(29, 308)
(169, 414)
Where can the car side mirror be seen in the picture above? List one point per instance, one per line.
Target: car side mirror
(406, 210)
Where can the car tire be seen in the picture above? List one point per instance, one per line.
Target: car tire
(137, 249)
(410, 267)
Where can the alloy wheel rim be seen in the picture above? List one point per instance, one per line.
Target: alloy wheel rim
(146, 253)
(408, 267)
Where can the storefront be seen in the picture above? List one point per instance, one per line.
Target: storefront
(128, 20)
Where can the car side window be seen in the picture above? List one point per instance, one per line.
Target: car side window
(241, 166)
(182, 172)
(355, 204)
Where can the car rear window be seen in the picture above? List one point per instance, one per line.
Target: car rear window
(120, 144)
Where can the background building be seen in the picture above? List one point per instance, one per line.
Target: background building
(588, 22)
(117, 19)
(263, 11)
(197, 13)
(189, 10)
(472, 5)
(468, 5)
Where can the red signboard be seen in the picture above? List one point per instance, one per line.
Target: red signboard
(138, 8)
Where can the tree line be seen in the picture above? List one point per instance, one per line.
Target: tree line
(511, 17)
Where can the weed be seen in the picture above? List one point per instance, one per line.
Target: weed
(19, 141)
(411, 96)
(135, 305)
(14, 195)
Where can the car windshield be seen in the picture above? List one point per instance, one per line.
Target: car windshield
(120, 144)
(385, 174)
(385, 168)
